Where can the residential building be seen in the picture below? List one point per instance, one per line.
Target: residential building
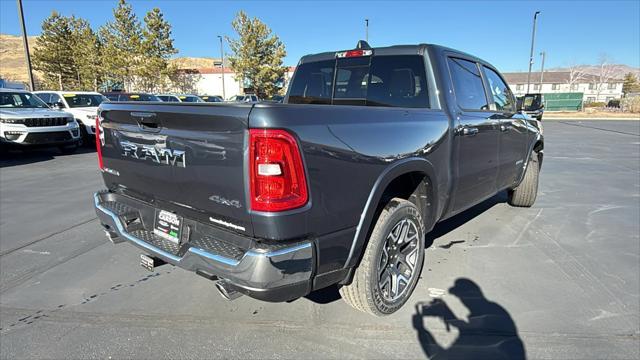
(560, 82)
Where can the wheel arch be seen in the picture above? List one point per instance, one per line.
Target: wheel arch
(417, 172)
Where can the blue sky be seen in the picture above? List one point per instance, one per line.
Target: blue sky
(498, 31)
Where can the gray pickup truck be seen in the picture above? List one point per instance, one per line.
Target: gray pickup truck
(337, 185)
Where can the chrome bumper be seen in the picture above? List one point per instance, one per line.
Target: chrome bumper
(271, 274)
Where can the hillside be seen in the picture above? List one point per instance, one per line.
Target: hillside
(13, 65)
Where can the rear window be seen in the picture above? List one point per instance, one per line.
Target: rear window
(392, 81)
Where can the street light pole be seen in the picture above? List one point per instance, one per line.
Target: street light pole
(26, 45)
(533, 39)
(542, 54)
(366, 30)
(224, 96)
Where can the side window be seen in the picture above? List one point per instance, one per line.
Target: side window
(467, 84)
(55, 98)
(502, 97)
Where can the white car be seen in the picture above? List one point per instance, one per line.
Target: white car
(25, 120)
(82, 104)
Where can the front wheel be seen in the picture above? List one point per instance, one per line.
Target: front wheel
(392, 261)
(525, 194)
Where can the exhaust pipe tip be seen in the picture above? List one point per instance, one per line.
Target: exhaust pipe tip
(227, 290)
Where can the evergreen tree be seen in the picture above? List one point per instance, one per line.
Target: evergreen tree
(630, 84)
(86, 48)
(257, 55)
(121, 50)
(157, 48)
(53, 55)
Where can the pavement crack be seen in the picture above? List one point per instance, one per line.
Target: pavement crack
(7, 252)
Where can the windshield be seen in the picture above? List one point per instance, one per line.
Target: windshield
(20, 100)
(83, 100)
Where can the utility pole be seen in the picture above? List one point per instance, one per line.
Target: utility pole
(542, 54)
(366, 30)
(533, 39)
(224, 96)
(26, 45)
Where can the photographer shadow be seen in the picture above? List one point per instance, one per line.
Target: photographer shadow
(490, 332)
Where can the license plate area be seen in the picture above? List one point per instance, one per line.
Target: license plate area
(168, 226)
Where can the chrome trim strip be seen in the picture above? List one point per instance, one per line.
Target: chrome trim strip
(194, 250)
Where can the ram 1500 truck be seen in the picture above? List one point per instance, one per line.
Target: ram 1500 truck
(337, 185)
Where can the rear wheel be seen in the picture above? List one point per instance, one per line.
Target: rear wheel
(525, 194)
(391, 263)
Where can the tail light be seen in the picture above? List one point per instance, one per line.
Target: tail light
(277, 175)
(99, 143)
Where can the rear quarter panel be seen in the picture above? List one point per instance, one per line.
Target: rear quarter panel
(347, 150)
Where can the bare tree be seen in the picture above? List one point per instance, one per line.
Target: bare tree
(606, 72)
(577, 74)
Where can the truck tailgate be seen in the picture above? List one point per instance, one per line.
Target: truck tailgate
(190, 156)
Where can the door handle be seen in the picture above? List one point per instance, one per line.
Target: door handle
(469, 131)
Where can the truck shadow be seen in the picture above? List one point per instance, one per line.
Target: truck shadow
(489, 332)
(452, 223)
(14, 157)
(331, 293)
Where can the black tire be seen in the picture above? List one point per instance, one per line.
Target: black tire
(525, 194)
(87, 140)
(69, 149)
(365, 293)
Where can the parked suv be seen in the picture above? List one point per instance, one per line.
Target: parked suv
(25, 120)
(83, 105)
(337, 185)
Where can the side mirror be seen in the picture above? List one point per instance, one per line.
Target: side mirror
(57, 105)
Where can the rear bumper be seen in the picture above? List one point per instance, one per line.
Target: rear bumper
(265, 272)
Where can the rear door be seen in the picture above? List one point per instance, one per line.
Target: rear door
(513, 129)
(184, 155)
(477, 135)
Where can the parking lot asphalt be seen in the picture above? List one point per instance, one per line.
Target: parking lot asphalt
(562, 277)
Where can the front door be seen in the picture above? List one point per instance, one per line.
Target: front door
(477, 136)
(513, 130)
